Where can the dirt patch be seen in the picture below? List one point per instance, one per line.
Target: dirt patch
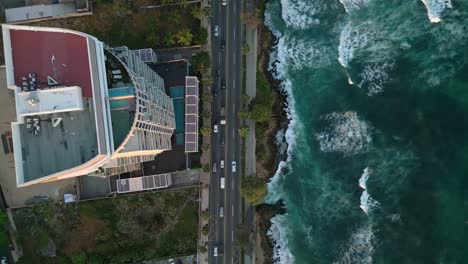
(84, 238)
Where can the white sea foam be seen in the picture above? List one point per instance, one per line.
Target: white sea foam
(346, 133)
(435, 8)
(277, 233)
(269, 21)
(300, 54)
(359, 248)
(374, 77)
(364, 177)
(300, 14)
(351, 39)
(368, 203)
(352, 5)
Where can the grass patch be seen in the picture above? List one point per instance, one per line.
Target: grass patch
(125, 229)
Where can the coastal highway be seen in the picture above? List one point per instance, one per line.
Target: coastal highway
(228, 63)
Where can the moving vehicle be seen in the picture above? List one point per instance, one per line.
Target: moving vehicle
(218, 73)
(233, 166)
(216, 31)
(214, 166)
(214, 91)
(215, 128)
(223, 85)
(223, 122)
(222, 139)
(221, 112)
(171, 261)
(221, 182)
(221, 211)
(223, 44)
(222, 164)
(224, 2)
(221, 249)
(215, 251)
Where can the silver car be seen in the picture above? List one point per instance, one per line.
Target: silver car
(216, 31)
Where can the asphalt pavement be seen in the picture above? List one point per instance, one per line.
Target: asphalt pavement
(226, 143)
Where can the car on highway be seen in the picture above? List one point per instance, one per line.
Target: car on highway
(214, 90)
(218, 73)
(223, 85)
(216, 31)
(171, 261)
(221, 165)
(223, 44)
(222, 139)
(233, 166)
(221, 211)
(215, 128)
(221, 182)
(221, 249)
(224, 2)
(215, 251)
(214, 166)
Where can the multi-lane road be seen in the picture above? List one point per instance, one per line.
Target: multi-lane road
(226, 143)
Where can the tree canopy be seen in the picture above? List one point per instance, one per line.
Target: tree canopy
(253, 189)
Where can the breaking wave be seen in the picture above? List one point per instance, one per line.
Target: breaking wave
(435, 8)
(300, 14)
(346, 133)
(352, 5)
(374, 77)
(278, 234)
(368, 203)
(300, 54)
(359, 248)
(364, 177)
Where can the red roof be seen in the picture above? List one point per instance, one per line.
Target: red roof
(62, 56)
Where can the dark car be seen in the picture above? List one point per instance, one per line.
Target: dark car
(218, 73)
(222, 139)
(223, 44)
(215, 91)
(223, 85)
(221, 249)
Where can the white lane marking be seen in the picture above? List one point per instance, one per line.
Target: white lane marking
(235, 34)
(219, 59)
(234, 58)
(232, 208)
(232, 237)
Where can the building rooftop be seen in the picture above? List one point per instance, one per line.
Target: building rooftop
(57, 76)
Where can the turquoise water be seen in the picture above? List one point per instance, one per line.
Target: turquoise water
(377, 144)
(177, 91)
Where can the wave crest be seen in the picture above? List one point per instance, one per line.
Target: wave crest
(352, 5)
(277, 233)
(435, 8)
(346, 133)
(359, 248)
(300, 14)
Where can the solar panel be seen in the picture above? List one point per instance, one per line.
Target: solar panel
(144, 183)
(146, 55)
(191, 114)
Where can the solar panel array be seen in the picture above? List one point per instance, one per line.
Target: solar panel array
(143, 183)
(146, 55)
(191, 114)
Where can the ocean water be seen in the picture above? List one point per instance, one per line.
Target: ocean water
(376, 167)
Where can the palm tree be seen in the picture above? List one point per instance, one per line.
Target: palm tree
(243, 131)
(184, 37)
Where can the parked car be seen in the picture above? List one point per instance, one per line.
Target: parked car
(233, 166)
(216, 31)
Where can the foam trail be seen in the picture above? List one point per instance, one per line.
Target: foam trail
(364, 177)
(352, 5)
(352, 39)
(277, 233)
(359, 248)
(300, 14)
(435, 8)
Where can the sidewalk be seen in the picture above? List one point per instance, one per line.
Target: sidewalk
(250, 160)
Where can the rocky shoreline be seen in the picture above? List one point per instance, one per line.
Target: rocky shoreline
(267, 169)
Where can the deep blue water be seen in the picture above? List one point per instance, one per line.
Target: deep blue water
(378, 96)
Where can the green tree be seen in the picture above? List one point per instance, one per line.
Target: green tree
(205, 215)
(184, 3)
(197, 12)
(207, 98)
(207, 82)
(245, 99)
(200, 36)
(168, 40)
(205, 147)
(243, 131)
(260, 112)
(79, 258)
(245, 48)
(206, 168)
(253, 189)
(205, 131)
(203, 249)
(175, 17)
(184, 37)
(207, 11)
(201, 62)
(244, 115)
(205, 229)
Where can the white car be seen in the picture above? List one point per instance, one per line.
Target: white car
(215, 128)
(222, 164)
(221, 211)
(216, 31)
(224, 2)
(233, 165)
(214, 166)
(171, 261)
(215, 251)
